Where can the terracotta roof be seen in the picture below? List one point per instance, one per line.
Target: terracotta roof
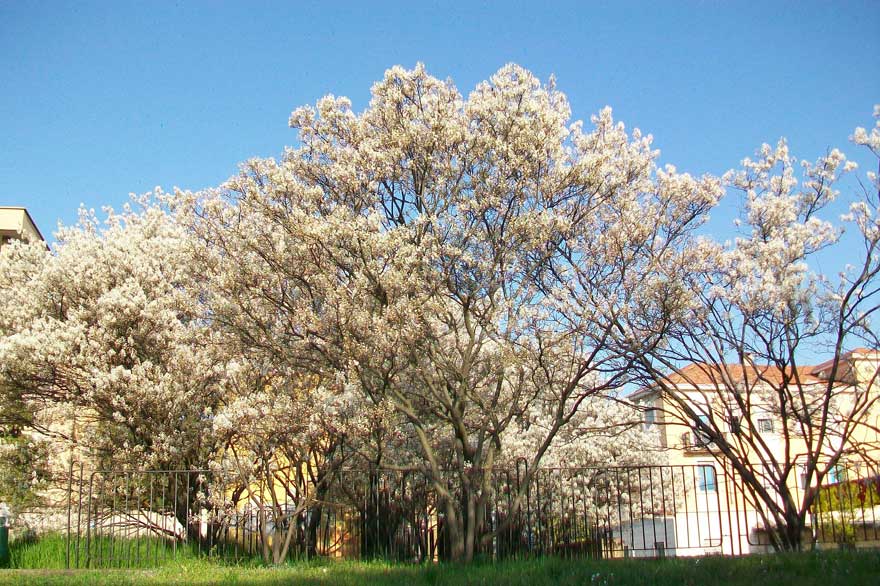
(700, 373)
(844, 358)
(713, 375)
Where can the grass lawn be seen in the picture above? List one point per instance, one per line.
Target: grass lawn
(806, 569)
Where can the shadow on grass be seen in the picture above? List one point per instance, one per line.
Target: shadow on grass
(51, 552)
(806, 569)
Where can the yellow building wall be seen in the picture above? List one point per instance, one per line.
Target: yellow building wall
(733, 517)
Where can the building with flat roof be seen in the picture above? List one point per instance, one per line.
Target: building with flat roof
(16, 224)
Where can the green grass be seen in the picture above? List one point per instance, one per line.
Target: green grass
(806, 569)
(45, 553)
(50, 552)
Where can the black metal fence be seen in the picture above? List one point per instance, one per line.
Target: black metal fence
(144, 518)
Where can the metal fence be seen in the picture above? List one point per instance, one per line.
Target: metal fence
(143, 518)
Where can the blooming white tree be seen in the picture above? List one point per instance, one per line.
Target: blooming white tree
(745, 313)
(102, 345)
(455, 259)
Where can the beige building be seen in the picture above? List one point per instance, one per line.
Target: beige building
(719, 510)
(16, 224)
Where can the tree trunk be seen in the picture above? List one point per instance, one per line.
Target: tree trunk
(465, 521)
(311, 536)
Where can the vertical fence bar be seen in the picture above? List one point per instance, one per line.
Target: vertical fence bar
(69, 506)
(663, 509)
(617, 488)
(89, 522)
(641, 508)
(143, 520)
(718, 509)
(727, 484)
(189, 519)
(111, 541)
(694, 472)
(674, 507)
(538, 513)
(175, 505)
(657, 551)
(153, 509)
(167, 511)
(126, 519)
(79, 515)
(872, 485)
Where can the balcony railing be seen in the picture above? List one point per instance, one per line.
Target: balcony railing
(695, 441)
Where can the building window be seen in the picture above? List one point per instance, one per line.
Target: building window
(650, 418)
(836, 474)
(706, 478)
(765, 426)
(701, 438)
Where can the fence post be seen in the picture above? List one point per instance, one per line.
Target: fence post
(89, 520)
(69, 505)
(79, 496)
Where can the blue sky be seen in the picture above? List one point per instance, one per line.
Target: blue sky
(98, 100)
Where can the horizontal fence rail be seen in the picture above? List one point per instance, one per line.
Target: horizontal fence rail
(125, 519)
